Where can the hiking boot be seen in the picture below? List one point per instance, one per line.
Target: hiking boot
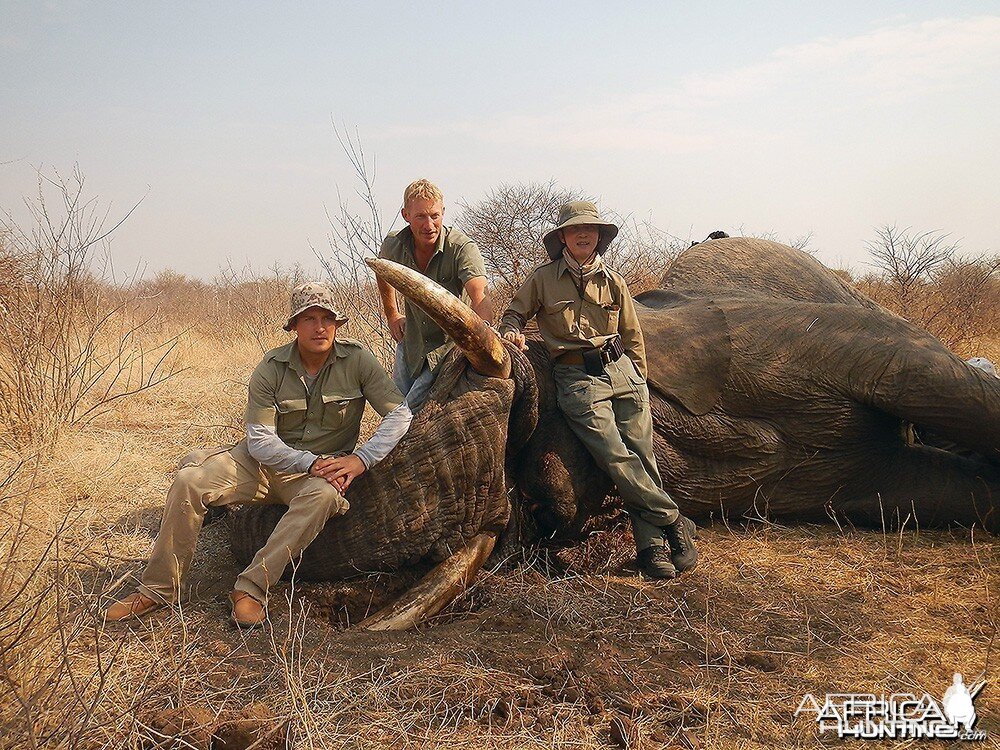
(247, 611)
(680, 536)
(135, 604)
(655, 562)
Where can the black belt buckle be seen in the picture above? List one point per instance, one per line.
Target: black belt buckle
(593, 362)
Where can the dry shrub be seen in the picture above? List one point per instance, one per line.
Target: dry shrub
(70, 341)
(922, 277)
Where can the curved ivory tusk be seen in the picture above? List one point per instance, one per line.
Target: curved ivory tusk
(436, 590)
(479, 342)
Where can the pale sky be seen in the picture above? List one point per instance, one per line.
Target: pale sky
(829, 119)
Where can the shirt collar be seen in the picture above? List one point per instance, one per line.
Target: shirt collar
(289, 354)
(564, 268)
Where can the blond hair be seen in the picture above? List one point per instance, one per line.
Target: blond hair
(422, 190)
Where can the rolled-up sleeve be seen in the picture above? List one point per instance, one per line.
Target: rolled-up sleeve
(469, 263)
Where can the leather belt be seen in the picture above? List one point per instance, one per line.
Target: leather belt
(593, 360)
(570, 358)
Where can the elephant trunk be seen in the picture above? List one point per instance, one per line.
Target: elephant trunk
(477, 340)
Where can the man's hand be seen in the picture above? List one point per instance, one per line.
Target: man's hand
(517, 339)
(397, 327)
(340, 471)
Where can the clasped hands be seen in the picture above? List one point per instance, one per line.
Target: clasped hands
(339, 471)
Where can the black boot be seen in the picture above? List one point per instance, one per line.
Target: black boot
(680, 537)
(655, 562)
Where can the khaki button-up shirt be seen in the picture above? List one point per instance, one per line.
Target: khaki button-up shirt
(326, 420)
(569, 321)
(455, 261)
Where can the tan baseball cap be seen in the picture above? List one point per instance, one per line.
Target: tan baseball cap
(312, 294)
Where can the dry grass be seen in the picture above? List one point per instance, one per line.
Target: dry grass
(546, 650)
(560, 648)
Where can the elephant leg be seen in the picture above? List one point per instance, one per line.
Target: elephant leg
(437, 589)
(935, 486)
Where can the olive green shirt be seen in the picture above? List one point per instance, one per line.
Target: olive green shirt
(327, 418)
(570, 322)
(455, 261)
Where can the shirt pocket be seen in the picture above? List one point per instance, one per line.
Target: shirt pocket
(559, 317)
(291, 415)
(599, 319)
(335, 409)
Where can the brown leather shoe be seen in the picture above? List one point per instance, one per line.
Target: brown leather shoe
(135, 604)
(247, 611)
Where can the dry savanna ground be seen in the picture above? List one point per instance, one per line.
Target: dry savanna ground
(553, 648)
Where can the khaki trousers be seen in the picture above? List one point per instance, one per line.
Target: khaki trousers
(610, 414)
(228, 476)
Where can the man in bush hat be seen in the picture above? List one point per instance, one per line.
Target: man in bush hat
(588, 323)
(447, 256)
(303, 417)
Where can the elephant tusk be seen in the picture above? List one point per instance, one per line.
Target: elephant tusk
(477, 340)
(436, 590)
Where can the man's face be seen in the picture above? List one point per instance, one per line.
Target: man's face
(425, 217)
(581, 239)
(315, 329)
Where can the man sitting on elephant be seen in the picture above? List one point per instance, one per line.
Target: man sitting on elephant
(303, 417)
(589, 325)
(445, 255)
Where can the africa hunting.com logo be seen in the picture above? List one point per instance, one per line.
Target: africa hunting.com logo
(899, 715)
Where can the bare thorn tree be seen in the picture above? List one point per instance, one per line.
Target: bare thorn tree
(353, 238)
(908, 260)
(921, 277)
(510, 222)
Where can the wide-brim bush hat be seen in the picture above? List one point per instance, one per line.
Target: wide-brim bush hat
(312, 294)
(579, 212)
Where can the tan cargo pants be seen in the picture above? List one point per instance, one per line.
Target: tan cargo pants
(610, 414)
(228, 476)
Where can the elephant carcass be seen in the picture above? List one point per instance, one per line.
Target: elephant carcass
(440, 495)
(777, 389)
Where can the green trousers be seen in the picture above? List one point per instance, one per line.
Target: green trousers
(610, 414)
(227, 476)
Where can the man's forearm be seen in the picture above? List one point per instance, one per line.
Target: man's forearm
(512, 322)
(391, 430)
(484, 308)
(388, 295)
(264, 445)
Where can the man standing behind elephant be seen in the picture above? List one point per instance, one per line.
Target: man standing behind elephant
(303, 416)
(588, 323)
(445, 255)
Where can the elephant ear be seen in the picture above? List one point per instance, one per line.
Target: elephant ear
(688, 348)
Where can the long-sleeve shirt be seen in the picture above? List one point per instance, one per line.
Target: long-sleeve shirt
(266, 447)
(321, 415)
(571, 321)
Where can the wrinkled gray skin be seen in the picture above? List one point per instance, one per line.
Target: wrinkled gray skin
(777, 390)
